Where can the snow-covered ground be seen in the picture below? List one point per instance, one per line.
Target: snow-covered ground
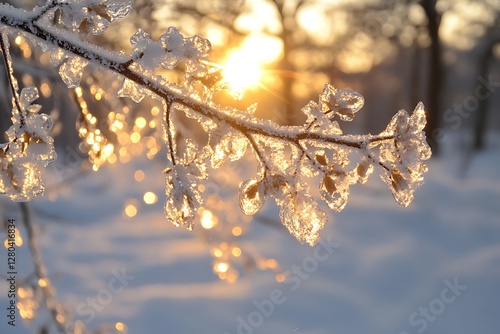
(433, 267)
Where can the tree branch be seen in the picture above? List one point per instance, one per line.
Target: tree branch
(121, 65)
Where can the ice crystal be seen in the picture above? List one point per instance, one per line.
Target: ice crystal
(71, 71)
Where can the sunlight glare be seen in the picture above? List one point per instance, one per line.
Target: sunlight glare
(241, 71)
(243, 66)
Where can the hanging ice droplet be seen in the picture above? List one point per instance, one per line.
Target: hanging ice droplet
(303, 218)
(251, 196)
(334, 190)
(71, 71)
(130, 89)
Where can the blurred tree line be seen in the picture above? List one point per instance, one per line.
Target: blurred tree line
(394, 52)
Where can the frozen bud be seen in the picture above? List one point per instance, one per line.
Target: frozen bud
(251, 196)
(334, 189)
(322, 159)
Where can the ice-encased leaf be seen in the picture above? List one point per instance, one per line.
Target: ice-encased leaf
(252, 196)
(57, 56)
(334, 189)
(21, 182)
(318, 121)
(343, 103)
(191, 50)
(400, 187)
(403, 156)
(148, 53)
(172, 41)
(130, 89)
(27, 96)
(118, 9)
(71, 71)
(183, 197)
(91, 16)
(230, 146)
(303, 218)
(140, 40)
(364, 170)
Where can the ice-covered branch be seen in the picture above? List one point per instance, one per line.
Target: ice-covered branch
(290, 158)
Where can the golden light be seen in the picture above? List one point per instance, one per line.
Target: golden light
(236, 231)
(130, 210)
(108, 150)
(45, 89)
(243, 67)
(135, 137)
(139, 175)
(221, 267)
(18, 240)
(208, 220)
(241, 71)
(120, 326)
(150, 198)
(42, 282)
(140, 122)
(218, 253)
(236, 252)
(155, 111)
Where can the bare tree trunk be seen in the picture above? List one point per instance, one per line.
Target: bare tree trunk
(415, 77)
(436, 72)
(484, 104)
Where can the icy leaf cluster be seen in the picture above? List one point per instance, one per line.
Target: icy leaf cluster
(182, 179)
(403, 156)
(170, 50)
(29, 147)
(288, 169)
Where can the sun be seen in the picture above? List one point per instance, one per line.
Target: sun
(241, 71)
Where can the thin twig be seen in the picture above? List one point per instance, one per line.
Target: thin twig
(4, 46)
(167, 104)
(41, 271)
